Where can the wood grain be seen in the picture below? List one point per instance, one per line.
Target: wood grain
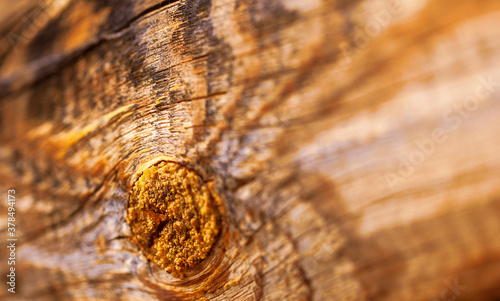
(354, 145)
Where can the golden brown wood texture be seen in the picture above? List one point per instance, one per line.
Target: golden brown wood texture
(354, 145)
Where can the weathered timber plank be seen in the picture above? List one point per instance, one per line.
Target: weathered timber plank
(352, 161)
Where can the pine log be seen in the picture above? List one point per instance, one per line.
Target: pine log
(351, 148)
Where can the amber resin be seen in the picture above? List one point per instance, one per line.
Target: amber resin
(173, 215)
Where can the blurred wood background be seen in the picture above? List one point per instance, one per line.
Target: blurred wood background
(355, 145)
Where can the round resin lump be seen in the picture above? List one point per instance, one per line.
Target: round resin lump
(173, 216)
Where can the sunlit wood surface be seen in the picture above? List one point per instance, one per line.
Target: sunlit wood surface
(355, 145)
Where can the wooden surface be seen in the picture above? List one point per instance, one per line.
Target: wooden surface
(354, 145)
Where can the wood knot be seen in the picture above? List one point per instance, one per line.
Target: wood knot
(174, 217)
